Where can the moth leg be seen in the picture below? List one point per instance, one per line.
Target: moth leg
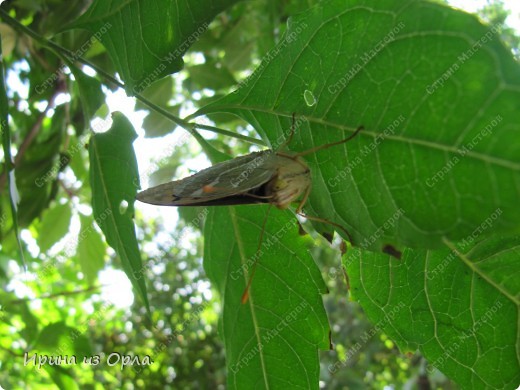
(245, 294)
(326, 146)
(304, 200)
(318, 219)
(258, 196)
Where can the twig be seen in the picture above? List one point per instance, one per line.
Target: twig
(58, 294)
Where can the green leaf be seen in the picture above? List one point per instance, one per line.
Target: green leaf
(54, 225)
(459, 308)
(209, 75)
(62, 377)
(90, 94)
(252, 37)
(8, 163)
(59, 14)
(77, 162)
(20, 311)
(37, 172)
(58, 339)
(146, 40)
(194, 217)
(438, 96)
(52, 336)
(91, 249)
(162, 175)
(114, 179)
(271, 341)
(157, 125)
(159, 92)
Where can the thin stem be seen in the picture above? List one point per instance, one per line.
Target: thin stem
(55, 295)
(251, 140)
(12, 352)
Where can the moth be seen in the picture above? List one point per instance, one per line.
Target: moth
(268, 176)
(275, 177)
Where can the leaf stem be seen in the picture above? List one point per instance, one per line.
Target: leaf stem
(251, 140)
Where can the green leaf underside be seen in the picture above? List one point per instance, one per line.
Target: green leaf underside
(406, 178)
(272, 341)
(57, 335)
(36, 173)
(114, 178)
(91, 250)
(142, 54)
(54, 225)
(460, 310)
(7, 163)
(90, 93)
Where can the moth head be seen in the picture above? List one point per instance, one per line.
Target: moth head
(279, 184)
(292, 178)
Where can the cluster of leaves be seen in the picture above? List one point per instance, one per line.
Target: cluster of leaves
(427, 89)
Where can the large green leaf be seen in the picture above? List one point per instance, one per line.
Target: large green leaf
(58, 339)
(54, 225)
(146, 40)
(38, 170)
(438, 96)
(114, 180)
(90, 94)
(272, 341)
(155, 124)
(8, 162)
(460, 307)
(91, 250)
(208, 75)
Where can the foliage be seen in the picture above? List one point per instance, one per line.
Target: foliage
(433, 176)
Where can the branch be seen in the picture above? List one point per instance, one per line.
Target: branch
(58, 294)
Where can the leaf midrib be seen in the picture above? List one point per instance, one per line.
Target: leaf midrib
(471, 265)
(413, 141)
(241, 251)
(107, 198)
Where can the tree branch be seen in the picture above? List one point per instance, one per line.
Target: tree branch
(55, 295)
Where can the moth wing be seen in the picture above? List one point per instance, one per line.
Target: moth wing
(222, 183)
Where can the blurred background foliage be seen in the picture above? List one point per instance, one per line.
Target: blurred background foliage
(60, 305)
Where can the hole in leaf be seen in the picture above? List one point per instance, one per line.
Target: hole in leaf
(123, 206)
(309, 98)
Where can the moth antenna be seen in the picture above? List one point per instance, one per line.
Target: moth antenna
(245, 295)
(288, 140)
(347, 280)
(326, 146)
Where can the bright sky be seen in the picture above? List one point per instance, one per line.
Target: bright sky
(473, 5)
